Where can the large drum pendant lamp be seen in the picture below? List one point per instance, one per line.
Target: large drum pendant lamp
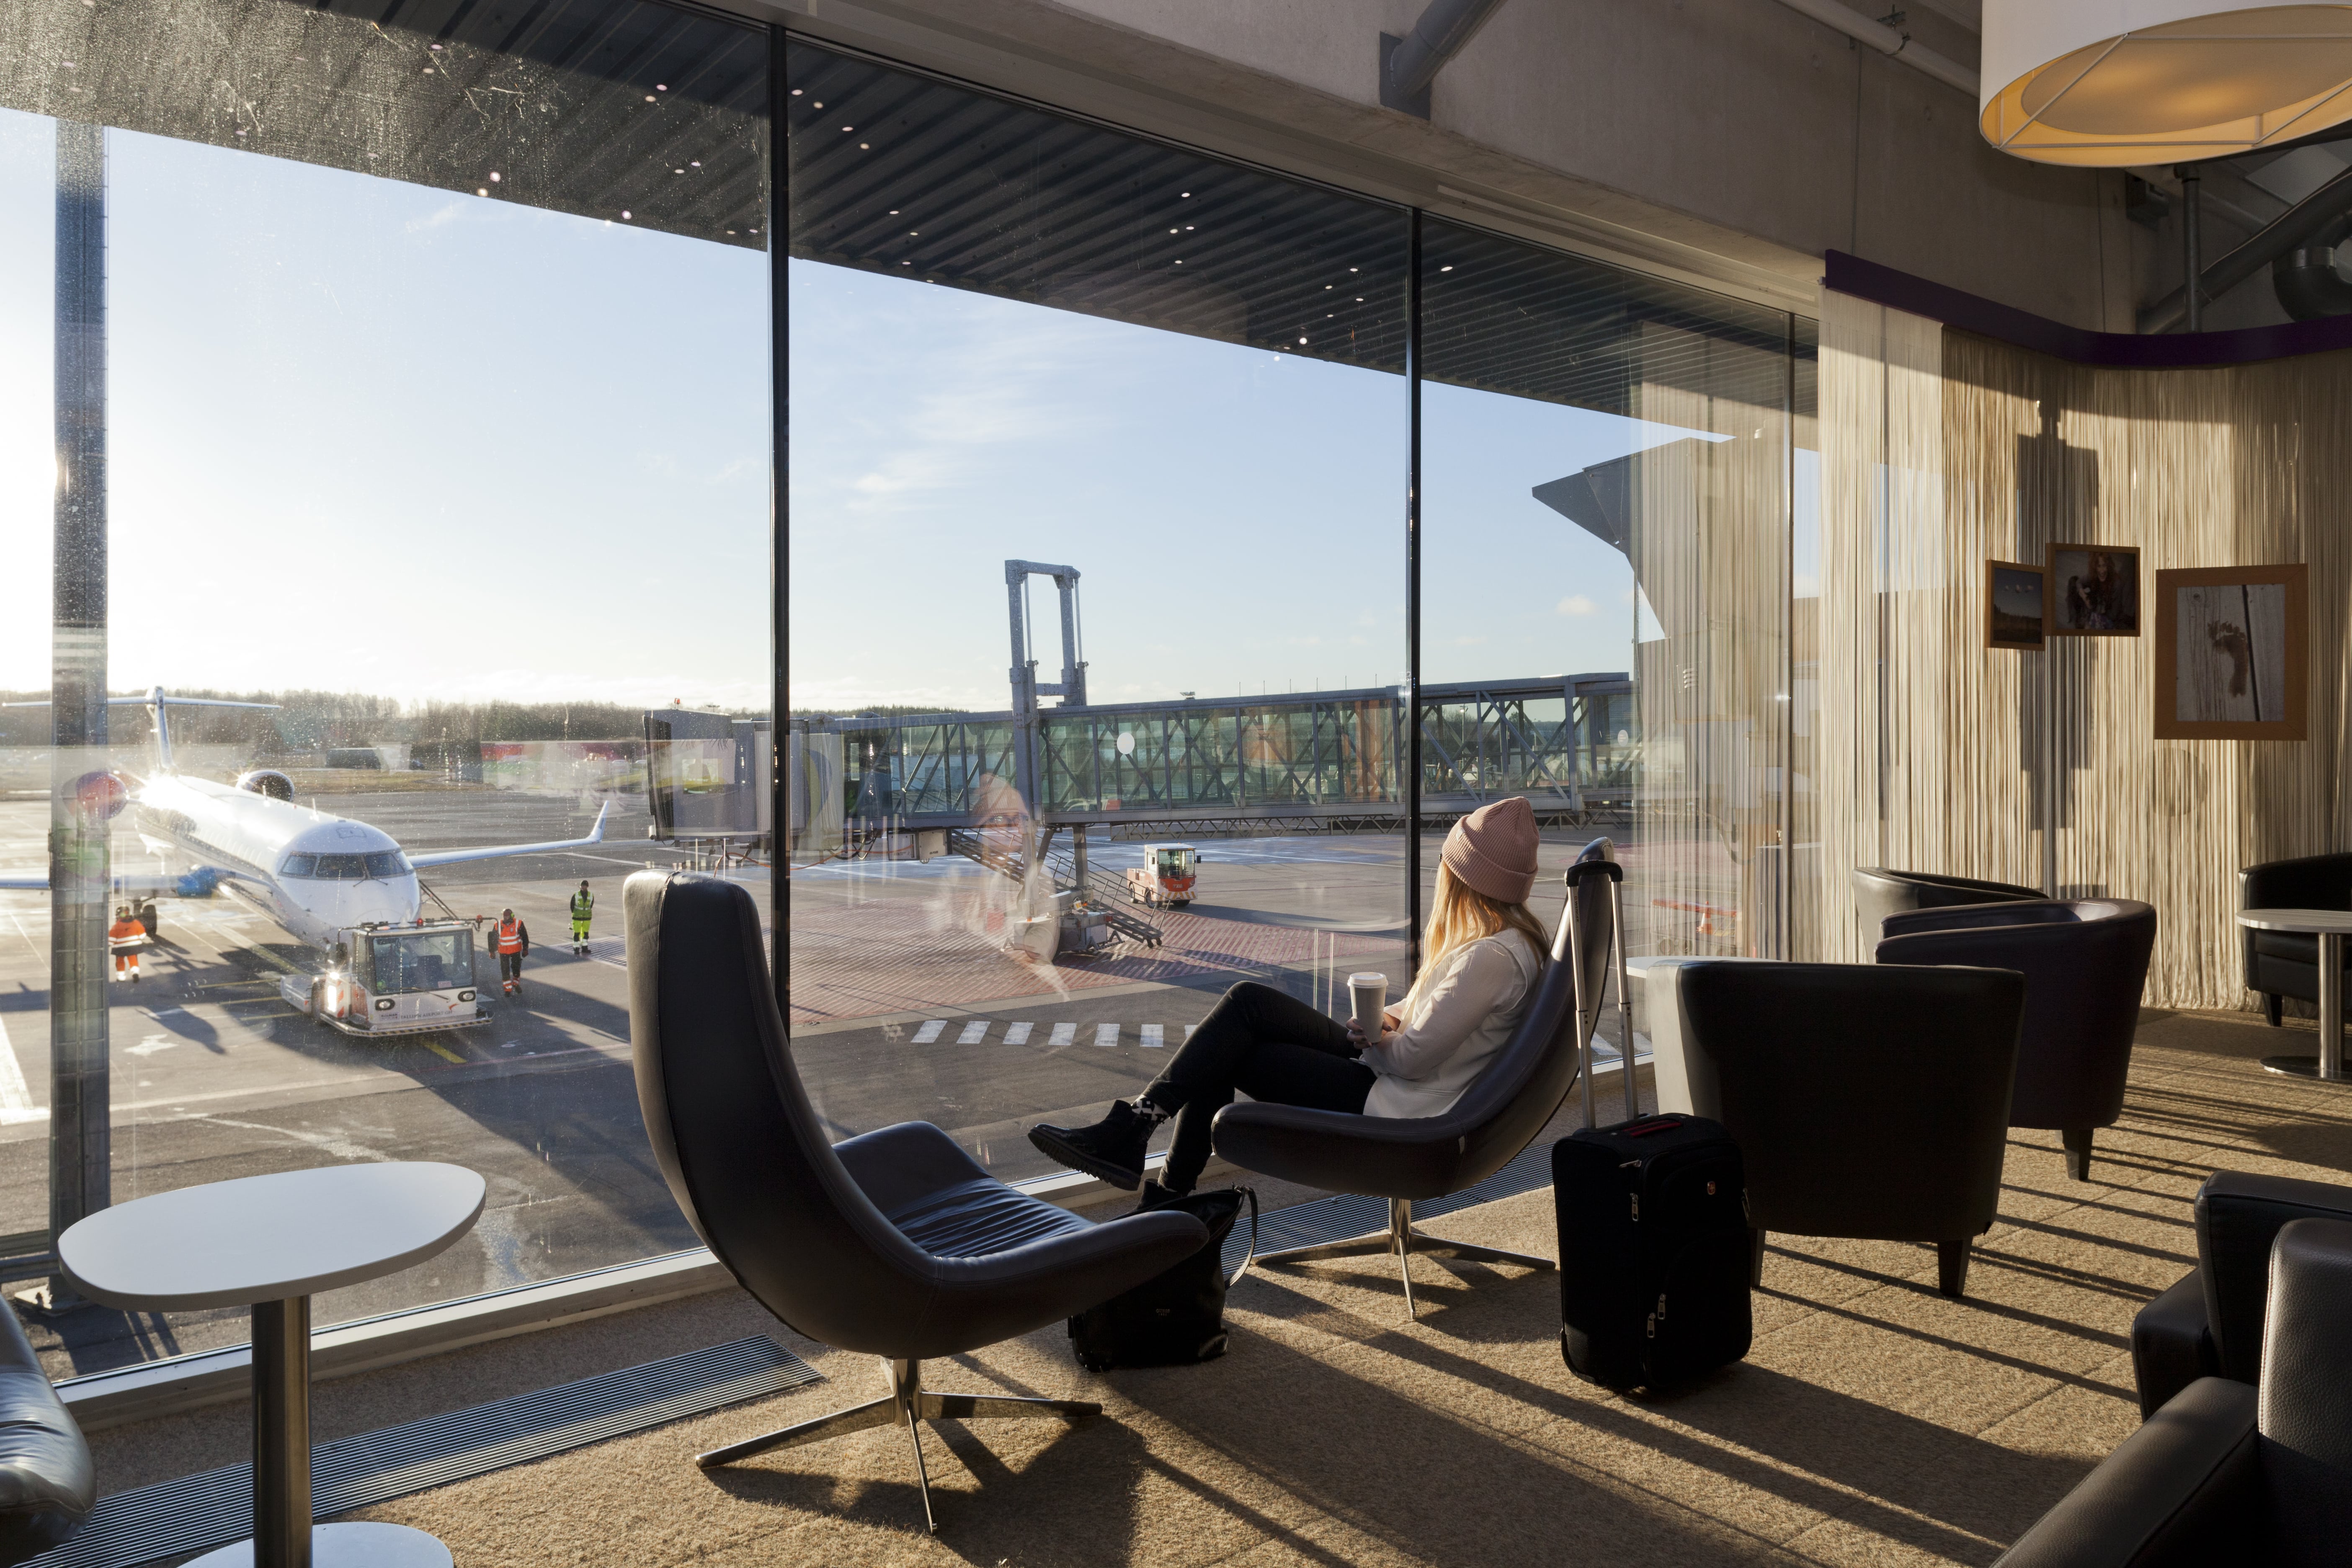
(2121, 82)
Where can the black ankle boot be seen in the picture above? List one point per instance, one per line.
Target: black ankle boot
(1111, 1150)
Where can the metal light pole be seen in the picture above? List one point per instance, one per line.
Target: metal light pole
(80, 1147)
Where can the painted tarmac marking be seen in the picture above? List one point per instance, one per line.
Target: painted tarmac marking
(1152, 1038)
(1106, 1034)
(930, 1032)
(16, 1095)
(1017, 1034)
(1063, 1034)
(973, 1033)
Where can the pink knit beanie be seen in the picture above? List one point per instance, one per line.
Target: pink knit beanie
(1493, 850)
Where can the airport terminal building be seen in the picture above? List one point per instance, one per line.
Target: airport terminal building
(637, 635)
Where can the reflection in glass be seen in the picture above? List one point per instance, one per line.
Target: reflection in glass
(1137, 418)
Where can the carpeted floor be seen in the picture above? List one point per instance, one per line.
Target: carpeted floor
(1873, 1422)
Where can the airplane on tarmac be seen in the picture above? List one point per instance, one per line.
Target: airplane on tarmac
(312, 872)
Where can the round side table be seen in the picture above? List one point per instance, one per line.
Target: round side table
(2330, 927)
(271, 1243)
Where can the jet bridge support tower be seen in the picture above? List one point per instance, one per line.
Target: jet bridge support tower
(1028, 760)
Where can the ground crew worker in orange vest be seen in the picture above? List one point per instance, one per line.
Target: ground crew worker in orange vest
(119, 936)
(512, 939)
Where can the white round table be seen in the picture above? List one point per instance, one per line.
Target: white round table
(271, 1243)
(2330, 927)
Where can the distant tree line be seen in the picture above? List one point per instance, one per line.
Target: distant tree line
(880, 711)
(305, 722)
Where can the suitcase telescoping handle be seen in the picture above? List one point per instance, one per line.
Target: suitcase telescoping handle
(1582, 871)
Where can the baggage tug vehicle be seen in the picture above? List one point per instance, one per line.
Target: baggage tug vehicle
(387, 978)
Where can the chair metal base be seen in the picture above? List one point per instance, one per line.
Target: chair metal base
(908, 1403)
(1402, 1239)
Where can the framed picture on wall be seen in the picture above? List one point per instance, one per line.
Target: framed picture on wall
(2092, 591)
(2232, 661)
(2013, 603)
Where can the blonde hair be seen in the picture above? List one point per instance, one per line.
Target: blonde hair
(1461, 915)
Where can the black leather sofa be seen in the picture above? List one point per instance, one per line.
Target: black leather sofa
(2086, 964)
(2209, 1323)
(2224, 1473)
(2282, 963)
(46, 1483)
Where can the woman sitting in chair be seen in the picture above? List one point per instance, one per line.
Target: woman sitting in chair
(1484, 954)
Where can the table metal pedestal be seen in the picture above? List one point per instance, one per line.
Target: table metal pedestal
(2329, 1065)
(283, 1535)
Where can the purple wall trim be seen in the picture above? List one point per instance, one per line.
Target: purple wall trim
(2127, 351)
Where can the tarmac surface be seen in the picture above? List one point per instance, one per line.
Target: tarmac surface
(919, 1014)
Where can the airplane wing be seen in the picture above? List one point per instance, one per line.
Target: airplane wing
(452, 857)
(200, 883)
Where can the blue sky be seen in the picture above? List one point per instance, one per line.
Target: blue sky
(370, 436)
(1236, 516)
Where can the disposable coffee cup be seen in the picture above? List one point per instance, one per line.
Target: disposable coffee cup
(1369, 994)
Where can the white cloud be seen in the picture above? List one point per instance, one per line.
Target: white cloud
(1577, 605)
(440, 217)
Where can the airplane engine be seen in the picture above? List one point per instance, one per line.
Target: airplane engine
(268, 782)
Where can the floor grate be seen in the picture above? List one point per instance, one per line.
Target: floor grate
(194, 1513)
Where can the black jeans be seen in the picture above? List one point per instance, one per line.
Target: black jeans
(510, 968)
(1269, 1047)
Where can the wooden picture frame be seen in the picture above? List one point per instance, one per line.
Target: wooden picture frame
(2093, 591)
(2231, 641)
(2012, 628)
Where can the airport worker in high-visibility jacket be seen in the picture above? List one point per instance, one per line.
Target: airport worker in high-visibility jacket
(583, 906)
(511, 938)
(121, 936)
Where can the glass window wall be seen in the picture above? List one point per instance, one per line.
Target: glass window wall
(416, 395)
(403, 378)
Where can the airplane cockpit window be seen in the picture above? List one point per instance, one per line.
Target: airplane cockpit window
(299, 866)
(343, 867)
(387, 863)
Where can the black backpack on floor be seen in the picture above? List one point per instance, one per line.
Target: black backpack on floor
(1178, 1316)
(1653, 1251)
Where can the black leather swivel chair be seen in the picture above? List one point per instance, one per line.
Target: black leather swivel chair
(895, 1243)
(2227, 1474)
(2209, 1323)
(1867, 1099)
(2085, 963)
(1404, 1158)
(1879, 892)
(2282, 963)
(46, 1483)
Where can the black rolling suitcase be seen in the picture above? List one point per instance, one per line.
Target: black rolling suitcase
(1653, 1251)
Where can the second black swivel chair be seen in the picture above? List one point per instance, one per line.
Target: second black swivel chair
(1404, 1158)
(897, 1242)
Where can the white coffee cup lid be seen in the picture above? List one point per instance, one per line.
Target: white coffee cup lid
(1368, 978)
